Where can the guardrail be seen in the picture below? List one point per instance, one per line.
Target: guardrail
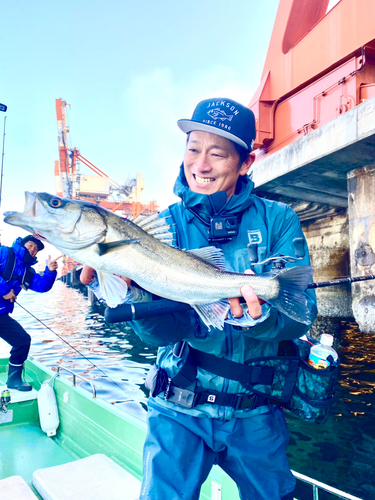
(74, 378)
(316, 485)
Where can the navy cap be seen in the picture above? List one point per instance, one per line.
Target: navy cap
(223, 117)
(38, 243)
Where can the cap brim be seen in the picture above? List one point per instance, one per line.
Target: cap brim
(191, 125)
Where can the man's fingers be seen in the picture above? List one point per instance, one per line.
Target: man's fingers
(252, 301)
(56, 258)
(235, 307)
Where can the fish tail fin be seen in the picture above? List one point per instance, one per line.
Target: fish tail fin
(291, 300)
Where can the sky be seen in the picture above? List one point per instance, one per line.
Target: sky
(129, 71)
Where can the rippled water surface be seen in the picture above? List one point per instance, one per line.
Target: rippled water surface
(339, 452)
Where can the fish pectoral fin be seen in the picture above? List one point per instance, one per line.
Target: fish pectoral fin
(113, 289)
(213, 256)
(213, 314)
(106, 247)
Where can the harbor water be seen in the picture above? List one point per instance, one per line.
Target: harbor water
(339, 452)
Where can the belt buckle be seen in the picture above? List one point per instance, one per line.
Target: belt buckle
(181, 397)
(242, 404)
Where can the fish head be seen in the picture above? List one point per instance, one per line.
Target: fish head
(69, 225)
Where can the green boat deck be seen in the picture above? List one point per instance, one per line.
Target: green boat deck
(88, 426)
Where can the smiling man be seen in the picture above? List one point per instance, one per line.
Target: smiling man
(212, 163)
(201, 409)
(16, 273)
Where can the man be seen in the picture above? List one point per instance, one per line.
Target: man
(16, 273)
(198, 417)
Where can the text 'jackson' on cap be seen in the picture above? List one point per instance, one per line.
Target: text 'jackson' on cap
(223, 117)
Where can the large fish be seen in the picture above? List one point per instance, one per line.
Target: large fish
(99, 238)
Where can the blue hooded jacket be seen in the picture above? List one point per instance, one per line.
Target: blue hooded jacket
(273, 226)
(38, 283)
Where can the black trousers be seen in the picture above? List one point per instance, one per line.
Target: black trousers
(13, 333)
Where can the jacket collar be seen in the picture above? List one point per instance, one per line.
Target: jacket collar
(215, 204)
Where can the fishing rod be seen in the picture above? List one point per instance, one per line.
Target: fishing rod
(2, 163)
(140, 310)
(72, 347)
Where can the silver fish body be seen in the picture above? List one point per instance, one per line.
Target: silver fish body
(100, 239)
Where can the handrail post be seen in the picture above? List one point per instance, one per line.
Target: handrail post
(75, 375)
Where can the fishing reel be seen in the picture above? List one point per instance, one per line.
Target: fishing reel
(278, 261)
(4, 400)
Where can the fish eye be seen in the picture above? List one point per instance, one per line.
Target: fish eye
(55, 203)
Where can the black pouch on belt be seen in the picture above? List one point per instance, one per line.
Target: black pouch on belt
(156, 380)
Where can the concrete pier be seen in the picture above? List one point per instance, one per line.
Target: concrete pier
(361, 189)
(328, 178)
(328, 240)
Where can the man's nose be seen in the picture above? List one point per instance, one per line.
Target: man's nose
(202, 163)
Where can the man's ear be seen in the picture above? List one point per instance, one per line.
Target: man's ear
(246, 165)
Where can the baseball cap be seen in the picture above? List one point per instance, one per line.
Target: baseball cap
(35, 240)
(224, 117)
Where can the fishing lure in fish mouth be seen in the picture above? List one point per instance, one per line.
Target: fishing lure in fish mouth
(143, 251)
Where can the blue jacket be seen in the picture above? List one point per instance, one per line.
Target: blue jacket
(38, 283)
(273, 226)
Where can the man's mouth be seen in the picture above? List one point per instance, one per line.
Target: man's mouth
(203, 180)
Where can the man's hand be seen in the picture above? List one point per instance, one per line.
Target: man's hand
(52, 263)
(10, 296)
(252, 301)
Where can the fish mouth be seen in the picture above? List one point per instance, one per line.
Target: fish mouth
(24, 219)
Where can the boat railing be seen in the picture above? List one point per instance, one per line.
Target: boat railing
(317, 485)
(75, 375)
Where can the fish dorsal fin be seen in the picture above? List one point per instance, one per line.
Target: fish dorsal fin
(156, 227)
(141, 220)
(213, 256)
(112, 288)
(106, 247)
(213, 314)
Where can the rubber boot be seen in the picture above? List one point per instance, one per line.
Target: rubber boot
(15, 379)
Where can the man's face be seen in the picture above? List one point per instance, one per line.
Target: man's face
(32, 248)
(211, 164)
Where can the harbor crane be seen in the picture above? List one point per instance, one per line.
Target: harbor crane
(67, 172)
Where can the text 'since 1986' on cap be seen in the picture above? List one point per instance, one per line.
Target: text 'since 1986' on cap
(223, 117)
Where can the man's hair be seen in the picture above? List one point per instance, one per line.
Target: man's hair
(243, 153)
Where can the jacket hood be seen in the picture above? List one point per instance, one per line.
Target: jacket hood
(208, 205)
(20, 252)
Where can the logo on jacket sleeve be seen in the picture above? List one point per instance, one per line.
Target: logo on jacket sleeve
(255, 237)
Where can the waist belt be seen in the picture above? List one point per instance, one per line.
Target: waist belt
(248, 376)
(190, 399)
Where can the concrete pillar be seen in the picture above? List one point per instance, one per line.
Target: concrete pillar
(328, 241)
(68, 278)
(361, 197)
(91, 297)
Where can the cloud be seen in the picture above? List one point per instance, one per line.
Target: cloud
(152, 104)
